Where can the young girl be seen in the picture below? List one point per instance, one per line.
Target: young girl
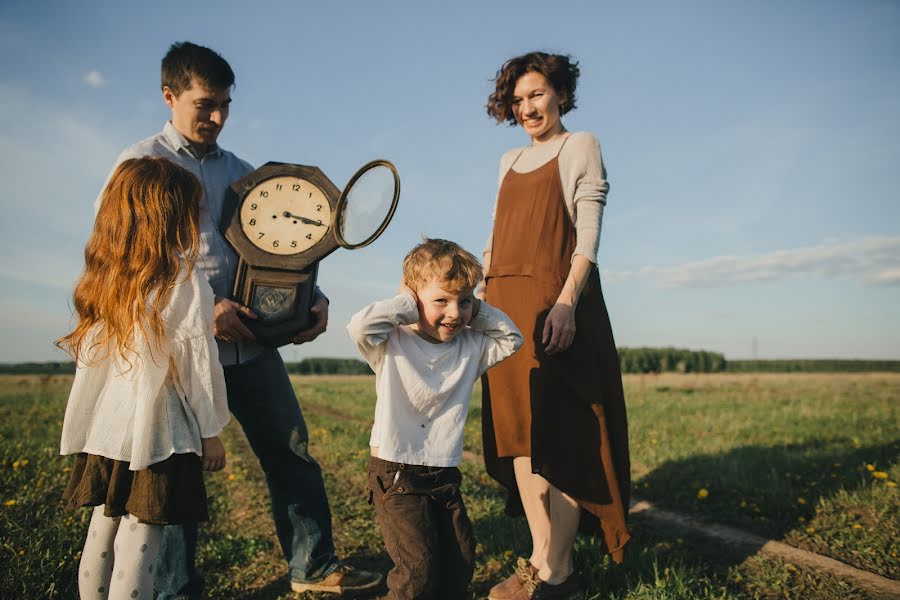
(148, 400)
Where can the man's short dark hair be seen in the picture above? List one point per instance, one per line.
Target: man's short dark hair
(185, 61)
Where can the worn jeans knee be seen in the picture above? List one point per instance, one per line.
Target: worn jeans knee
(262, 399)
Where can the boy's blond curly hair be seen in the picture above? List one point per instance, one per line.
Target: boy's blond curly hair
(446, 261)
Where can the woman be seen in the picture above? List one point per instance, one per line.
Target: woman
(554, 427)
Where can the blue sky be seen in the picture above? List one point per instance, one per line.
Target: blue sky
(752, 149)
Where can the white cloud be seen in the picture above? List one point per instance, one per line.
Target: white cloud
(875, 259)
(95, 79)
(886, 277)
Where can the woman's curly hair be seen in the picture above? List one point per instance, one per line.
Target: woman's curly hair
(560, 70)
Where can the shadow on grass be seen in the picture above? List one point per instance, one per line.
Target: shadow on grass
(767, 491)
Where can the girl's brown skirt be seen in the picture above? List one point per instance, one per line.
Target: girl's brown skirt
(169, 492)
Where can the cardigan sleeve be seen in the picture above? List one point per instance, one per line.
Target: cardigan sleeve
(585, 186)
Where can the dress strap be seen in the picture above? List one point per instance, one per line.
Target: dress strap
(565, 139)
(521, 150)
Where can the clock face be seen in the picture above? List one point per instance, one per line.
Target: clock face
(285, 215)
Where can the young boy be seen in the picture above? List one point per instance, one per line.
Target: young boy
(427, 347)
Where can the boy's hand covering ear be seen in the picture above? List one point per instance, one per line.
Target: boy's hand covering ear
(405, 289)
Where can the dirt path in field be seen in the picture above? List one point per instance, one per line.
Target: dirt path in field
(878, 586)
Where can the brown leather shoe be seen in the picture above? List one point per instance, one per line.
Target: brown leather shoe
(517, 586)
(569, 589)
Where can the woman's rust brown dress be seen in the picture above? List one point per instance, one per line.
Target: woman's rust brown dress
(567, 411)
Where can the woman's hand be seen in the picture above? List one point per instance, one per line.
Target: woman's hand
(213, 458)
(559, 328)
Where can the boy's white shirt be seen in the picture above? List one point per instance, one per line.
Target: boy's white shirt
(424, 388)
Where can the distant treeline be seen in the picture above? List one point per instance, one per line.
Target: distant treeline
(38, 368)
(813, 366)
(671, 360)
(633, 360)
(307, 366)
(329, 366)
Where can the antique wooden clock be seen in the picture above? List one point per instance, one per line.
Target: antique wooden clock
(282, 219)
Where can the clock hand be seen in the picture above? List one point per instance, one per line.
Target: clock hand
(303, 219)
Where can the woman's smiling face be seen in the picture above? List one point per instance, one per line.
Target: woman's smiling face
(536, 107)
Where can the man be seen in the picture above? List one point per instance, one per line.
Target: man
(196, 85)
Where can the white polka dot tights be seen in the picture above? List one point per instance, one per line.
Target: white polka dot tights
(118, 558)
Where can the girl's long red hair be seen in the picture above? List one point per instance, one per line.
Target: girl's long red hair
(146, 229)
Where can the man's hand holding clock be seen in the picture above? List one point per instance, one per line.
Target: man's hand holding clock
(227, 325)
(319, 312)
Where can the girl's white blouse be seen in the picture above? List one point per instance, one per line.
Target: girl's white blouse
(172, 395)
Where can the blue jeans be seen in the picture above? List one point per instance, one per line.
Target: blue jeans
(261, 398)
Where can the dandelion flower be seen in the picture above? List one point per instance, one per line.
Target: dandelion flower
(879, 475)
(891, 484)
(15, 464)
(801, 500)
(792, 568)
(810, 530)
(702, 494)
(870, 467)
(508, 554)
(857, 526)
(10, 503)
(231, 477)
(802, 519)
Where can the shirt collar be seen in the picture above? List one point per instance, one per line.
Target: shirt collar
(179, 142)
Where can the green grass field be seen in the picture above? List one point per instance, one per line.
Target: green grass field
(807, 459)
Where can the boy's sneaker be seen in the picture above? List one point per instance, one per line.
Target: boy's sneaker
(343, 579)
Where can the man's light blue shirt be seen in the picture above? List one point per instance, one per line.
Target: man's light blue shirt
(216, 170)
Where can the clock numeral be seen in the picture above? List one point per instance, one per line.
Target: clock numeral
(277, 186)
(253, 207)
(275, 243)
(296, 187)
(252, 221)
(309, 236)
(260, 236)
(294, 244)
(319, 222)
(264, 193)
(319, 207)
